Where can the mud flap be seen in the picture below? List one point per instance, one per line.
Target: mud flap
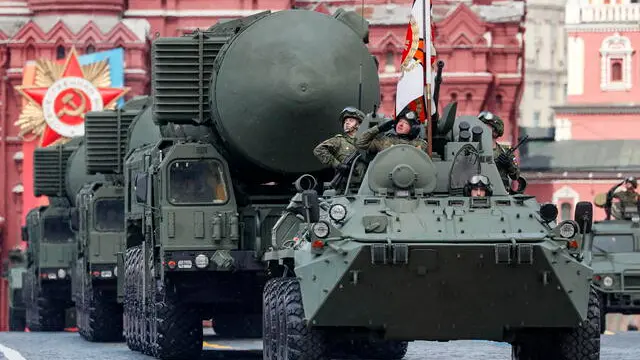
(120, 277)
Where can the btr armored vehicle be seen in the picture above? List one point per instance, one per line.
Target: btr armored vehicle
(201, 201)
(16, 266)
(616, 260)
(46, 282)
(412, 256)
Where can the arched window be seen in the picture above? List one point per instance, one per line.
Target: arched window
(60, 52)
(615, 64)
(454, 97)
(30, 53)
(498, 102)
(616, 70)
(90, 49)
(390, 65)
(565, 211)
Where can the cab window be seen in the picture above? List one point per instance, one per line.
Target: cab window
(603, 244)
(109, 215)
(196, 182)
(57, 230)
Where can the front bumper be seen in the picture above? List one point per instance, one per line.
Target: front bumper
(217, 260)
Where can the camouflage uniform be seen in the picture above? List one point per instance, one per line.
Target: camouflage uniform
(507, 165)
(369, 140)
(627, 197)
(333, 151)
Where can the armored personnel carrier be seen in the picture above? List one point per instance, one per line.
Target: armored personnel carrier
(411, 256)
(16, 266)
(616, 260)
(201, 202)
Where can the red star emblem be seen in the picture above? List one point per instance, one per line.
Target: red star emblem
(65, 103)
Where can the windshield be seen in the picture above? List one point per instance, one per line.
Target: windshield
(57, 229)
(109, 215)
(196, 182)
(603, 244)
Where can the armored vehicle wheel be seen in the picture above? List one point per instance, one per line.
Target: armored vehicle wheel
(102, 317)
(179, 327)
(580, 343)
(16, 319)
(270, 318)
(296, 341)
(45, 315)
(238, 325)
(603, 312)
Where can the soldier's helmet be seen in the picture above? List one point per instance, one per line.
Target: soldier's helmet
(412, 119)
(492, 120)
(478, 182)
(632, 180)
(351, 112)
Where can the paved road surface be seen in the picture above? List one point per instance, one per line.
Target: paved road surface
(70, 346)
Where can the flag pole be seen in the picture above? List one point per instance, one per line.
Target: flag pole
(427, 70)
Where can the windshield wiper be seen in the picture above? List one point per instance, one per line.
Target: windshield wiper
(601, 249)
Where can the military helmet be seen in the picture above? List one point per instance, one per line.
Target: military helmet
(478, 182)
(352, 112)
(492, 120)
(632, 180)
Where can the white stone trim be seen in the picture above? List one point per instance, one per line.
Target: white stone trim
(565, 192)
(615, 47)
(608, 28)
(575, 65)
(191, 13)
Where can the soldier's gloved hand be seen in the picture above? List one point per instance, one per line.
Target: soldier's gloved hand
(503, 161)
(386, 126)
(343, 168)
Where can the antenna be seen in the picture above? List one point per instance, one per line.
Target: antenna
(360, 83)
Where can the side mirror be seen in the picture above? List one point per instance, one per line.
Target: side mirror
(311, 205)
(584, 216)
(74, 219)
(141, 187)
(25, 234)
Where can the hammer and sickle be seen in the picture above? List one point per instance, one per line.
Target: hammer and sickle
(73, 109)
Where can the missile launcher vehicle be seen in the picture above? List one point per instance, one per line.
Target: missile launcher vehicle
(616, 260)
(201, 202)
(412, 256)
(15, 267)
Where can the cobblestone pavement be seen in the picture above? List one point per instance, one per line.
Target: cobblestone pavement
(70, 346)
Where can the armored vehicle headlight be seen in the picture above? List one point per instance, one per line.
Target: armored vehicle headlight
(607, 281)
(115, 271)
(338, 212)
(62, 273)
(202, 261)
(320, 229)
(567, 229)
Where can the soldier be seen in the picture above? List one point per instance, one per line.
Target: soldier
(478, 186)
(627, 198)
(507, 165)
(406, 131)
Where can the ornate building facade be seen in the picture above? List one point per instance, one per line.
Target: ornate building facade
(481, 43)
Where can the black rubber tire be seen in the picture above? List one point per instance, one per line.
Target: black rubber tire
(580, 343)
(103, 318)
(270, 319)
(238, 325)
(130, 298)
(603, 312)
(49, 315)
(298, 341)
(179, 328)
(17, 321)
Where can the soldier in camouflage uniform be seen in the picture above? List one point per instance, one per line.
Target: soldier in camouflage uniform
(335, 150)
(507, 165)
(406, 131)
(627, 198)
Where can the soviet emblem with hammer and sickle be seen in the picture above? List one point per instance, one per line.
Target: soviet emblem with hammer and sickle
(69, 106)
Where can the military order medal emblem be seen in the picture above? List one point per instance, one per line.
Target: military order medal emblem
(61, 97)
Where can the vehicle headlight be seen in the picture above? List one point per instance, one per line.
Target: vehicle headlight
(115, 271)
(338, 212)
(567, 229)
(202, 261)
(607, 281)
(320, 229)
(62, 273)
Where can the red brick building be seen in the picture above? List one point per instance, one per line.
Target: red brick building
(481, 43)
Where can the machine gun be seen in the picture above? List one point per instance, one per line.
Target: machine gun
(522, 182)
(520, 143)
(436, 91)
